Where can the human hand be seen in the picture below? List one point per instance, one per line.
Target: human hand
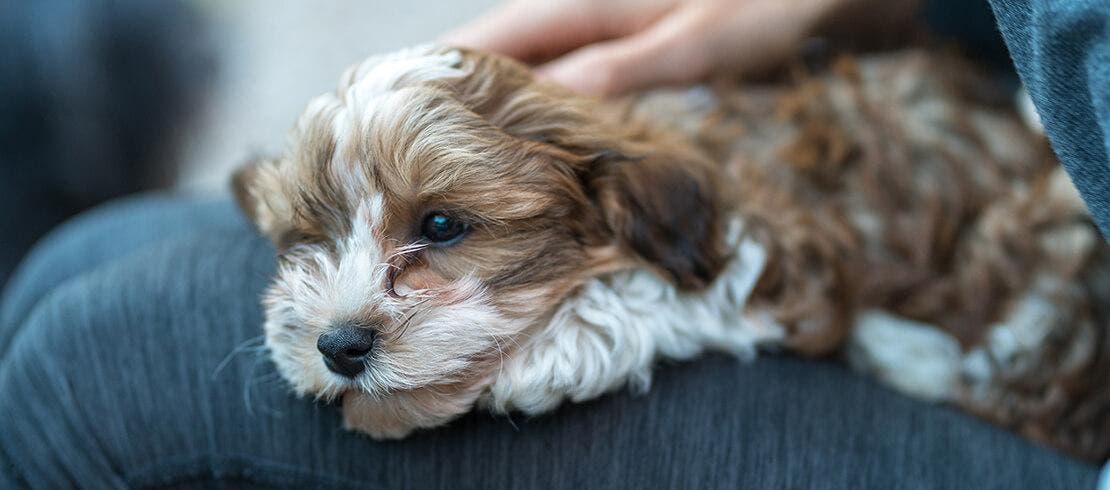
(605, 47)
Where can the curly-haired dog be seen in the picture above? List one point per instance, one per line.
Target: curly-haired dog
(452, 232)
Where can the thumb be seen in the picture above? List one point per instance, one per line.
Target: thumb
(665, 53)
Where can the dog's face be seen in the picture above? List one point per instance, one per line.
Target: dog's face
(434, 211)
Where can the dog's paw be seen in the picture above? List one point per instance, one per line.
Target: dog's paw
(915, 358)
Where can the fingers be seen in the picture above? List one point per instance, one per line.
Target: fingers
(616, 46)
(536, 31)
(530, 31)
(687, 45)
(670, 51)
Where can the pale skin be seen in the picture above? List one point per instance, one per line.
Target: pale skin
(610, 47)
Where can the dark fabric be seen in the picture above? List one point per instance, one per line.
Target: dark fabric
(103, 235)
(135, 362)
(970, 25)
(96, 97)
(1061, 49)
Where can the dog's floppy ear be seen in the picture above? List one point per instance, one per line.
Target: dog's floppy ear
(657, 198)
(259, 193)
(665, 207)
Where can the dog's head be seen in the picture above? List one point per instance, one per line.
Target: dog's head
(435, 210)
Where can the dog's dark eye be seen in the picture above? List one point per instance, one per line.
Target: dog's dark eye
(441, 229)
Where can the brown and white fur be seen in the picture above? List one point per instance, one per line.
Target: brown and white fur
(889, 208)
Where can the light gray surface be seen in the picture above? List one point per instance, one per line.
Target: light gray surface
(275, 55)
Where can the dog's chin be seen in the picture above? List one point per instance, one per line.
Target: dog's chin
(379, 402)
(399, 413)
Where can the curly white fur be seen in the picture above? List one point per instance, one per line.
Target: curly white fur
(614, 329)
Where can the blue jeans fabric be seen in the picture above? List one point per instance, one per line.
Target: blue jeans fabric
(1061, 49)
(132, 358)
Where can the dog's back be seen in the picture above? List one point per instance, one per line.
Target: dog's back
(913, 217)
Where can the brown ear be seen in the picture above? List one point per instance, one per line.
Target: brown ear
(258, 192)
(657, 197)
(665, 207)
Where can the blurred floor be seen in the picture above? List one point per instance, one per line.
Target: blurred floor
(274, 55)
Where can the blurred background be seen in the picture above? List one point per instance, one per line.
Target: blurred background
(103, 98)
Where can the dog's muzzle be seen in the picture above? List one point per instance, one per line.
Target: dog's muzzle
(347, 349)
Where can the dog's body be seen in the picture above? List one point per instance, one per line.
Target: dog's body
(889, 209)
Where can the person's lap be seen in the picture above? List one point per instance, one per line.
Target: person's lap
(130, 355)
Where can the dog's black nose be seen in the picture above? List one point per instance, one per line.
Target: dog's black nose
(346, 349)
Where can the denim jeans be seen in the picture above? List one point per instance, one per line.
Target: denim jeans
(130, 356)
(1061, 49)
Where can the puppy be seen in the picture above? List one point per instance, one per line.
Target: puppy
(451, 232)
